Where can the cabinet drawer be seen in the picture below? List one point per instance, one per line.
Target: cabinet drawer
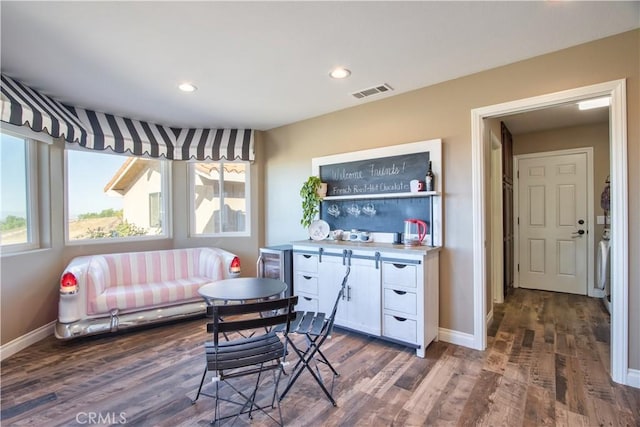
(399, 274)
(306, 284)
(399, 328)
(307, 303)
(304, 262)
(402, 301)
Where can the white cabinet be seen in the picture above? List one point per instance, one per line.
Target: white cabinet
(305, 281)
(410, 300)
(391, 294)
(359, 308)
(400, 297)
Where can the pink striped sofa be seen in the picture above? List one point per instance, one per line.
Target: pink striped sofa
(110, 292)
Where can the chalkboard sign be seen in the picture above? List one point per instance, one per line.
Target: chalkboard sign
(374, 176)
(381, 215)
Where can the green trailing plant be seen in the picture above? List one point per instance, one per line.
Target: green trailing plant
(310, 200)
(124, 229)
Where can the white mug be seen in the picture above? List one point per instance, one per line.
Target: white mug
(414, 185)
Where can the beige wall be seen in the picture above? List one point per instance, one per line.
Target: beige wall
(443, 111)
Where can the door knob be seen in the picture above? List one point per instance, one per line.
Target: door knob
(578, 233)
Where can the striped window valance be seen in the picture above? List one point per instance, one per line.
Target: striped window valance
(100, 131)
(141, 138)
(22, 106)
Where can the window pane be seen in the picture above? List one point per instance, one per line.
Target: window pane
(155, 209)
(14, 187)
(111, 196)
(219, 197)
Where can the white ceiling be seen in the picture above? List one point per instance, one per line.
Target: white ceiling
(265, 64)
(555, 117)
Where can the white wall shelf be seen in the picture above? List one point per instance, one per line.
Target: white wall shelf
(383, 196)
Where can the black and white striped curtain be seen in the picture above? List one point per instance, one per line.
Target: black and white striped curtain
(141, 138)
(22, 105)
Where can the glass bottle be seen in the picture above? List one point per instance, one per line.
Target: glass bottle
(429, 179)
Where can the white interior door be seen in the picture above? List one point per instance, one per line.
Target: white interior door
(552, 223)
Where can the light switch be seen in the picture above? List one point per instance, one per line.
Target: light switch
(600, 220)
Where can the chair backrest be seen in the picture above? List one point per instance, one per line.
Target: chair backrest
(262, 314)
(338, 298)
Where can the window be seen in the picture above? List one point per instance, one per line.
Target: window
(219, 198)
(19, 193)
(112, 196)
(155, 210)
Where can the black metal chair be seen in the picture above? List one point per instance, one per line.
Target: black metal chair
(243, 356)
(316, 328)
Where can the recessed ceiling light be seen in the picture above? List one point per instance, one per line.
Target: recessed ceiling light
(187, 87)
(340, 73)
(594, 103)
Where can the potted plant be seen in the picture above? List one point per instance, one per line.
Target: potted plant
(312, 193)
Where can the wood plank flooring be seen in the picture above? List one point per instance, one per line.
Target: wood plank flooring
(546, 364)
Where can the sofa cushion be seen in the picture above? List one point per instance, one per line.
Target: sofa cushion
(148, 295)
(129, 281)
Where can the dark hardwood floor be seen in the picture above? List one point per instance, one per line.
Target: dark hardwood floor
(547, 363)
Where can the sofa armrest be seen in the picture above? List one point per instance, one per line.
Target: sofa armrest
(216, 263)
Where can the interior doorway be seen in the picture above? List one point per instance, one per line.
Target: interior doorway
(554, 211)
(619, 209)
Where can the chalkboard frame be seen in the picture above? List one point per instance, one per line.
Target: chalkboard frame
(382, 175)
(433, 146)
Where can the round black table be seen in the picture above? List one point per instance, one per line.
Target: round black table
(242, 288)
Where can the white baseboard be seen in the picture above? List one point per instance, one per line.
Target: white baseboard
(489, 318)
(457, 338)
(20, 343)
(633, 378)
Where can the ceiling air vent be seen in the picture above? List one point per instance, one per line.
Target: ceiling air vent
(372, 91)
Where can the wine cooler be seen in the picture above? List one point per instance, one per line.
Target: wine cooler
(276, 262)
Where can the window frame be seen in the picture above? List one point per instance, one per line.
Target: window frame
(34, 238)
(165, 206)
(153, 202)
(247, 192)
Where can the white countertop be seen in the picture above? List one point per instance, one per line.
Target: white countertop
(373, 246)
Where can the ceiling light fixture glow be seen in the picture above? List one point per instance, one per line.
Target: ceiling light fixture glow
(187, 87)
(339, 73)
(594, 103)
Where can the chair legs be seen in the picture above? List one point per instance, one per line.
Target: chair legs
(200, 388)
(304, 359)
(248, 404)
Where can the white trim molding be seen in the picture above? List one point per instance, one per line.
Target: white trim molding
(619, 232)
(20, 343)
(619, 211)
(633, 378)
(456, 337)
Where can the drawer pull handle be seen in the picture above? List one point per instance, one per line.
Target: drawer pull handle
(399, 292)
(399, 265)
(306, 256)
(400, 319)
(307, 298)
(307, 277)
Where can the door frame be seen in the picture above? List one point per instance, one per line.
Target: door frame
(497, 240)
(590, 212)
(617, 90)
